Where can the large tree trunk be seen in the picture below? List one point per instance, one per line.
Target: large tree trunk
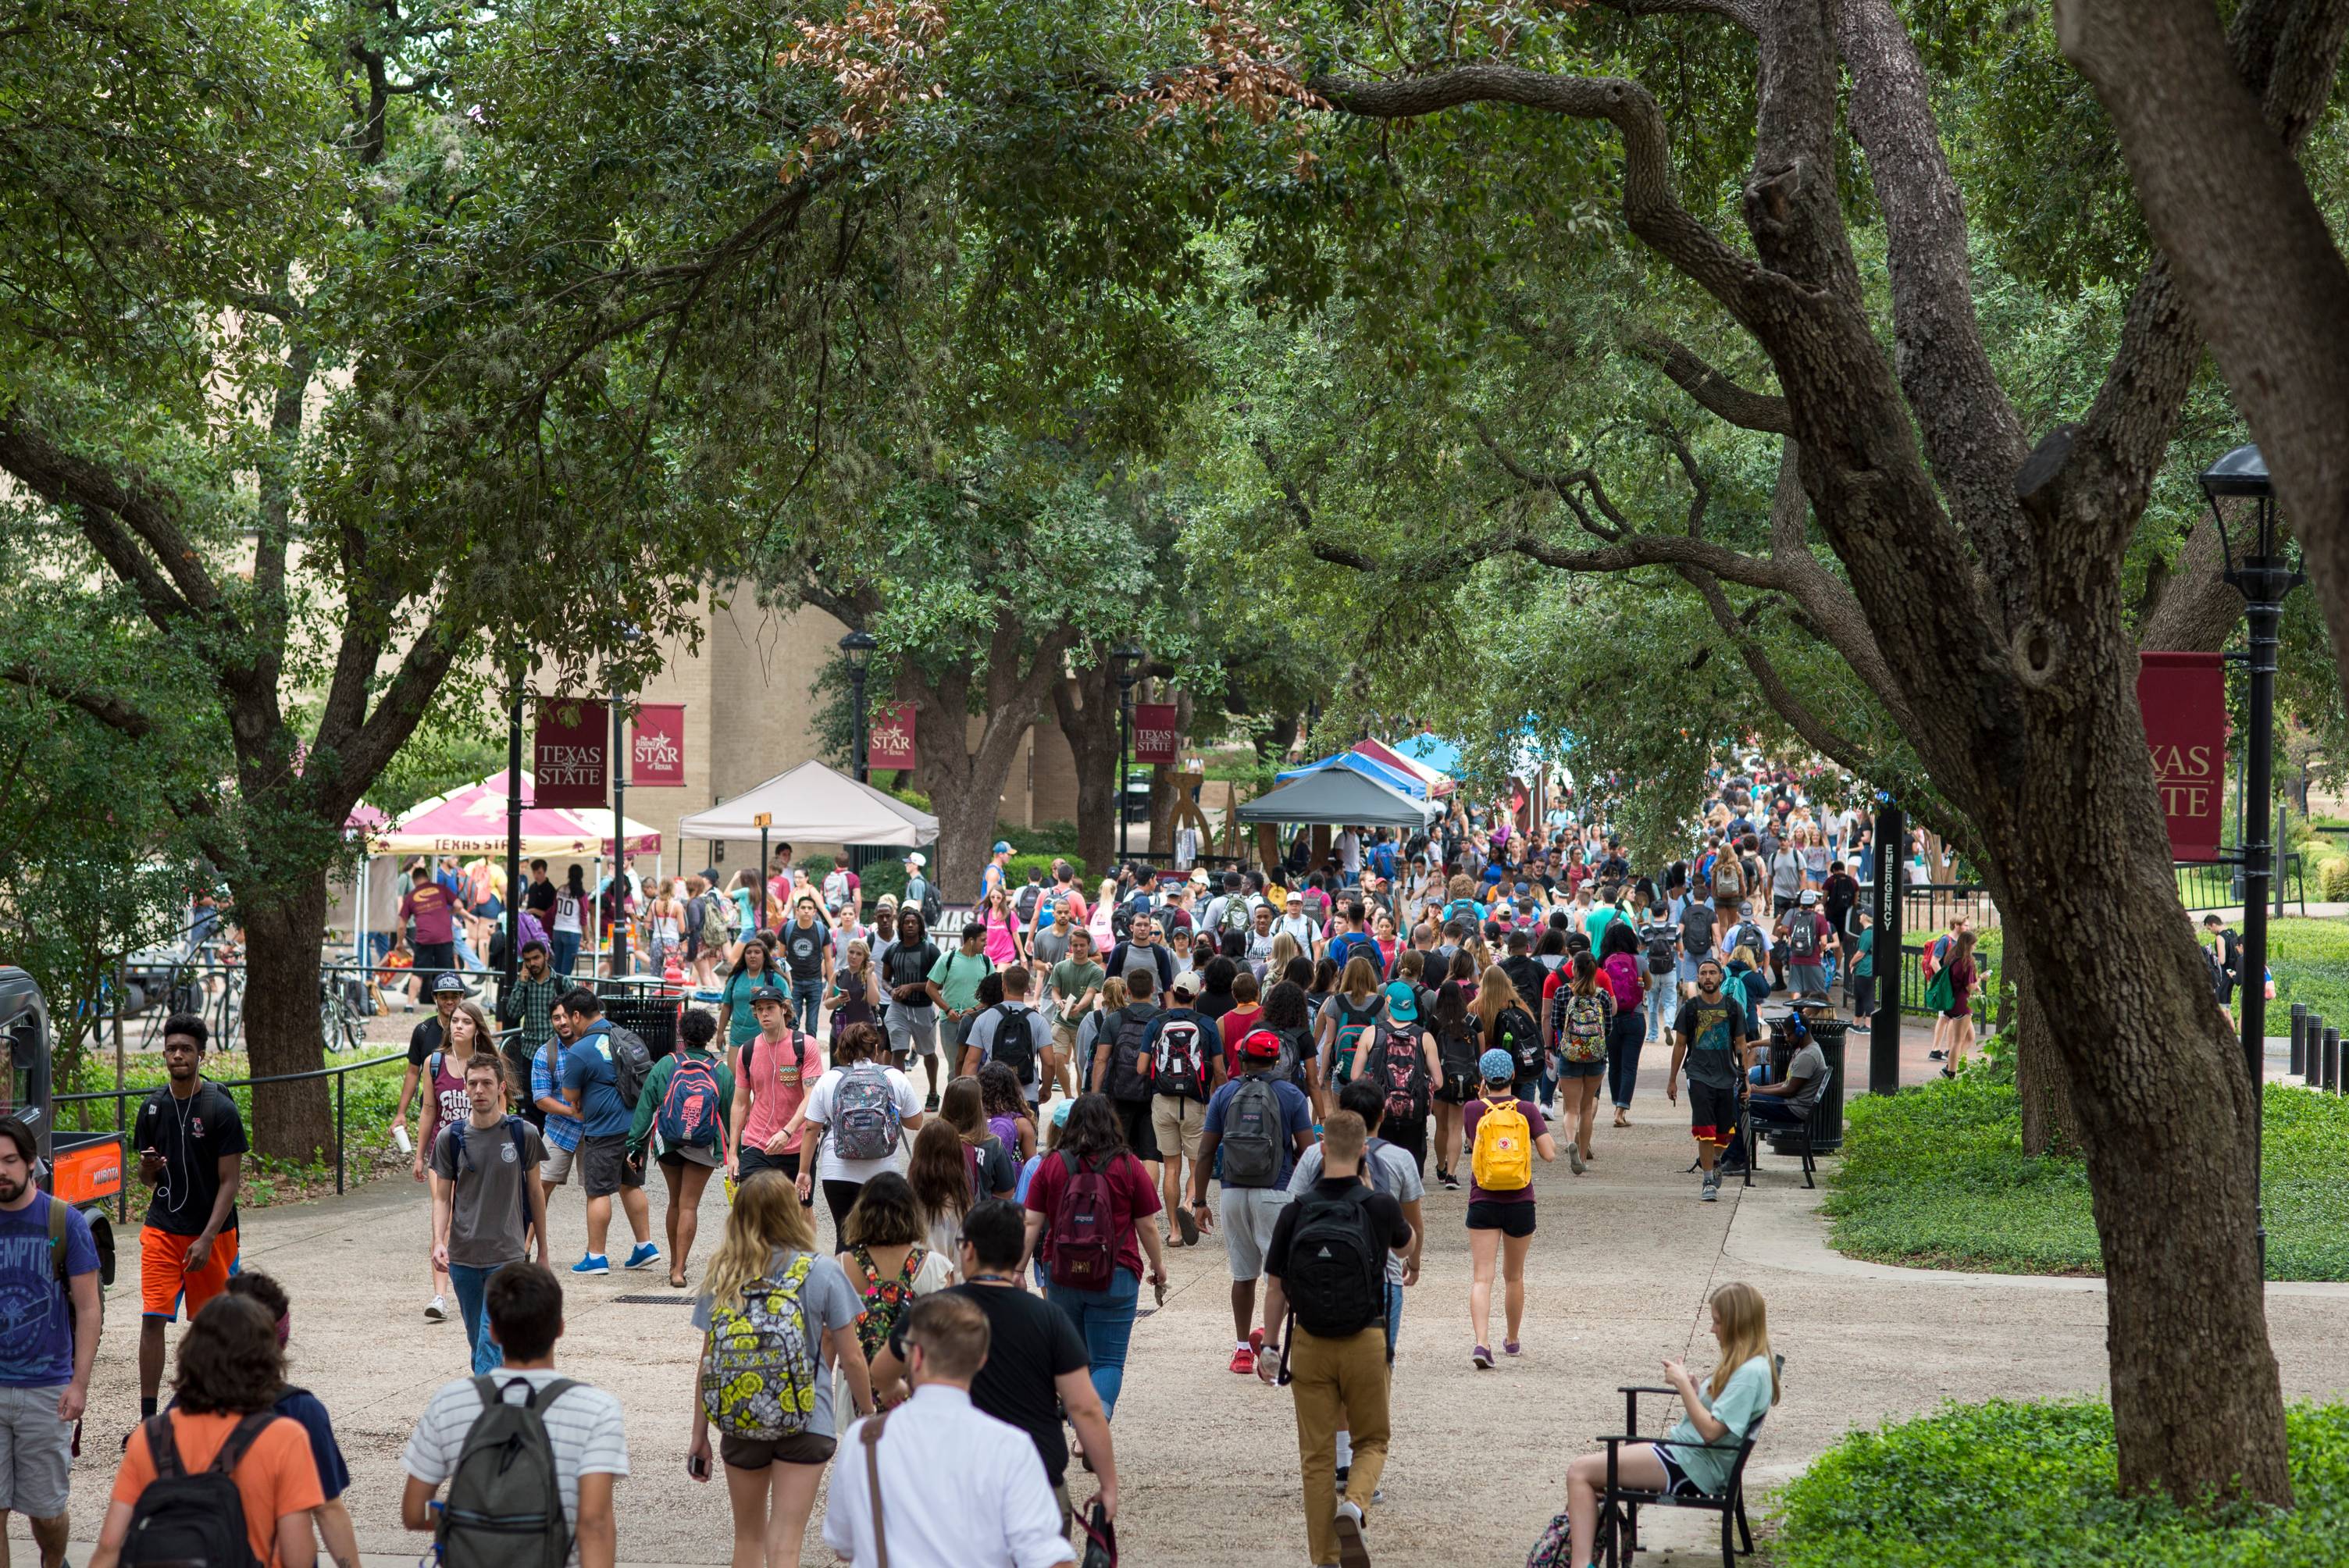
(1086, 707)
(2039, 1079)
(281, 926)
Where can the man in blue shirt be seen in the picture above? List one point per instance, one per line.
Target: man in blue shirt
(1249, 1211)
(591, 1084)
(48, 1337)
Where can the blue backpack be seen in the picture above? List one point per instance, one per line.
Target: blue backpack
(689, 1107)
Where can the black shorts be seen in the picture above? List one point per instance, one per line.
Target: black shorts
(1509, 1219)
(754, 1159)
(1141, 1139)
(798, 1449)
(605, 1168)
(1713, 1112)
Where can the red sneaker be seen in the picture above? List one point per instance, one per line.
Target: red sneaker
(1244, 1360)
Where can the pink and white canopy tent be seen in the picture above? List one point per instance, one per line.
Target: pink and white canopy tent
(472, 822)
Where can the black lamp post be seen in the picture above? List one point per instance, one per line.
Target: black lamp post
(1126, 660)
(2242, 503)
(857, 648)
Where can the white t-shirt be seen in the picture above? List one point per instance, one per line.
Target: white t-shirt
(1350, 851)
(566, 911)
(585, 1426)
(830, 1166)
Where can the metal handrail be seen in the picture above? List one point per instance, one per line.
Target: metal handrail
(338, 1073)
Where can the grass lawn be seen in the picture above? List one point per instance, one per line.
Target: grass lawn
(2003, 1483)
(1936, 1178)
(370, 1096)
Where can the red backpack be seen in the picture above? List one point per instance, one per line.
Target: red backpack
(1084, 1228)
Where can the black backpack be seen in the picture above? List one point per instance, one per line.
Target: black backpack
(1516, 1032)
(1130, 1061)
(1337, 1278)
(1024, 902)
(505, 1497)
(632, 1064)
(182, 1519)
(1015, 1039)
(1253, 1134)
(1659, 949)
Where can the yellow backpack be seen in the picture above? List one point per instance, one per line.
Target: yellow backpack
(1502, 1157)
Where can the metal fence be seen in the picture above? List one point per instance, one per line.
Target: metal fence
(2217, 884)
(340, 1073)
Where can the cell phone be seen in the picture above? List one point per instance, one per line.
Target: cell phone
(698, 1466)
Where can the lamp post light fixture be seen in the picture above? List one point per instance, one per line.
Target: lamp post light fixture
(857, 648)
(2264, 566)
(1125, 660)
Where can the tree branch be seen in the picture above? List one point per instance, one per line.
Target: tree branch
(105, 505)
(1651, 206)
(1746, 409)
(117, 714)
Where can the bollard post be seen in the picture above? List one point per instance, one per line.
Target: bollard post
(340, 1080)
(2298, 1065)
(2332, 1060)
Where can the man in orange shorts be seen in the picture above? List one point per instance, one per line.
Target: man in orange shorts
(191, 1144)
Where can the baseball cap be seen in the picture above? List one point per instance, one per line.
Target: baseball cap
(1198, 876)
(1294, 897)
(1061, 1112)
(1260, 1043)
(1810, 895)
(1400, 1000)
(915, 858)
(449, 982)
(1186, 983)
(1002, 847)
(770, 993)
(1496, 1066)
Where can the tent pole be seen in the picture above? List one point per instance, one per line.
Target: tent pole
(513, 835)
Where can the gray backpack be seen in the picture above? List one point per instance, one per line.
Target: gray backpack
(505, 1501)
(864, 1114)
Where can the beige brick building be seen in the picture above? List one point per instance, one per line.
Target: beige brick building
(749, 714)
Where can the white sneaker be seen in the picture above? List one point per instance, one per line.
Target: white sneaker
(437, 1309)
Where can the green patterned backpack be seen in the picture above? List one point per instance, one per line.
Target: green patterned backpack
(758, 1372)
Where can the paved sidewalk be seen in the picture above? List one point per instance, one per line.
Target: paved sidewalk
(1617, 1282)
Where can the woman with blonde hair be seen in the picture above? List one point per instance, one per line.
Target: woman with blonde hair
(767, 1263)
(1696, 1454)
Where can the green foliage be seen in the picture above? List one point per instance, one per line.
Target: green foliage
(370, 1096)
(2332, 879)
(817, 867)
(1016, 871)
(883, 877)
(1936, 1177)
(2006, 1484)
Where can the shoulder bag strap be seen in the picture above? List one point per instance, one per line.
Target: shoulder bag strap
(872, 1425)
(247, 1433)
(163, 1446)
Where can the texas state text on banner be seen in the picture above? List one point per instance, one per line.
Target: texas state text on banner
(1155, 739)
(2183, 700)
(574, 741)
(890, 745)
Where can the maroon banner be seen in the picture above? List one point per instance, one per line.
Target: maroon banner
(567, 767)
(656, 746)
(890, 743)
(2183, 700)
(1155, 739)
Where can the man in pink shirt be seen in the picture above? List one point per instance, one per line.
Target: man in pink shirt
(773, 1075)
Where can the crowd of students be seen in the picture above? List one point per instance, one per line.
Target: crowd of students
(1300, 1046)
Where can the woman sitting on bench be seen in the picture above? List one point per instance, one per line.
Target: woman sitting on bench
(1696, 1455)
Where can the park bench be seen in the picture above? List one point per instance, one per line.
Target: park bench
(1618, 1505)
(1802, 1137)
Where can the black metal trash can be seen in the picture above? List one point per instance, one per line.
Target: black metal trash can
(654, 1019)
(1826, 1116)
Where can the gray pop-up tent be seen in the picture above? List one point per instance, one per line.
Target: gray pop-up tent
(1337, 797)
(814, 804)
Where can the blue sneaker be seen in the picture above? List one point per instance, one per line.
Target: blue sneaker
(646, 1253)
(593, 1263)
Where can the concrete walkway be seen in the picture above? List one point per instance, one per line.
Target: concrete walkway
(1617, 1282)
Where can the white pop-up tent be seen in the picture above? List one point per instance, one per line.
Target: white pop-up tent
(814, 804)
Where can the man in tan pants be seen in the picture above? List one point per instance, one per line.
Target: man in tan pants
(1327, 1265)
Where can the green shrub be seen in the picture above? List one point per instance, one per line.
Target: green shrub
(2332, 879)
(883, 876)
(1047, 840)
(1936, 1177)
(1016, 872)
(2007, 1483)
(817, 867)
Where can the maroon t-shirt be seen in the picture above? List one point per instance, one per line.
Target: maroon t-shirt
(429, 907)
(1473, 1113)
(1132, 1200)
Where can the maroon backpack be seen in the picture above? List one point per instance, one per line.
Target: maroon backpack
(1084, 1228)
(1403, 1073)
